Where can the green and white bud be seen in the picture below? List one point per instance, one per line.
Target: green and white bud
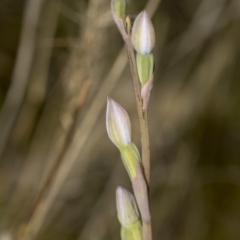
(118, 123)
(130, 156)
(119, 131)
(119, 8)
(128, 215)
(143, 34)
(126, 207)
(145, 65)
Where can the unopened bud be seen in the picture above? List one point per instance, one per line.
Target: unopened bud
(119, 8)
(143, 34)
(126, 207)
(145, 65)
(118, 123)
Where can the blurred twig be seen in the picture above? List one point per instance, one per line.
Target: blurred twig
(35, 96)
(177, 113)
(21, 71)
(52, 172)
(38, 79)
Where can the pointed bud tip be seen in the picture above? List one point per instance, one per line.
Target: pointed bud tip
(143, 14)
(119, 192)
(119, 188)
(108, 99)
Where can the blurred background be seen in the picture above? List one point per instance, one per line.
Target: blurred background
(59, 60)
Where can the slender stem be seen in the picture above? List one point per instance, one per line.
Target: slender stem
(147, 231)
(142, 114)
(145, 146)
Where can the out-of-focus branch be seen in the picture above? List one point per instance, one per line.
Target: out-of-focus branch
(21, 71)
(38, 79)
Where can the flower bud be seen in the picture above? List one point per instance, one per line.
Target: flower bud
(130, 156)
(143, 34)
(126, 207)
(119, 8)
(118, 123)
(145, 65)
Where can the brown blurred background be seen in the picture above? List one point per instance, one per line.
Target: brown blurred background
(59, 60)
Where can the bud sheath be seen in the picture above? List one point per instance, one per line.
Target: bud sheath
(130, 157)
(145, 67)
(119, 8)
(133, 232)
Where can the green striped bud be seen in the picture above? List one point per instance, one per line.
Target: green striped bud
(128, 215)
(130, 156)
(119, 8)
(126, 207)
(119, 131)
(118, 123)
(145, 65)
(143, 34)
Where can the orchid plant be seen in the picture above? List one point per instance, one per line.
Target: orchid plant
(133, 210)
